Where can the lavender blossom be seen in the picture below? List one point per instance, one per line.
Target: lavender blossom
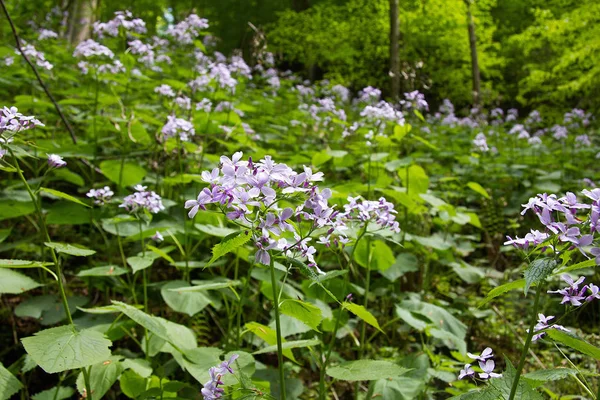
(56, 161)
(101, 196)
(542, 324)
(164, 90)
(12, 121)
(178, 127)
(143, 200)
(90, 48)
(211, 389)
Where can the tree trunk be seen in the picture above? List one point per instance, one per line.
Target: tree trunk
(81, 18)
(474, 61)
(395, 48)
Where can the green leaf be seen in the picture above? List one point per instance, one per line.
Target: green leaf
(268, 335)
(467, 272)
(294, 344)
(138, 133)
(48, 308)
(64, 348)
(10, 208)
(23, 264)
(229, 244)
(139, 263)
(61, 195)
(320, 158)
(179, 336)
(581, 265)
(56, 393)
(400, 131)
(500, 290)
(107, 270)
(131, 175)
(538, 270)
(554, 374)
(414, 179)
(574, 342)
(382, 257)
(187, 302)
(362, 313)
(476, 187)
(366, 370)
(200, 286)
(4, 234)
(302, 311)
(70, 249)
(13, 282)
(102, 377)
(9, 384)
(132, 385)
(213, 230)
(405, 262)
(68, 176)
(141, 367)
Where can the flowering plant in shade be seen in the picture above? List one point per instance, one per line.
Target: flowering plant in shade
(260, 198)
(211, 389)
(143, 201)
(486, 363)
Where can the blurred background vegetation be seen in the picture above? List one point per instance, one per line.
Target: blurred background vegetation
(542, 54)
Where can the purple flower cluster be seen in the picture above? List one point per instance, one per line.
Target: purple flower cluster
(486, 364)
(415, 100)
(101, 196)
(577, 118)
(47, 34)
(143, 200)
(165, 90)
(381, 112)
(562, 218)
(178, 127)
(12, 121)
(187, 30)
(90, 48)
(574, 295)
(369, 95)
(380, 212)
(480, 142)
(35, 56)
(543, 324)
(211, 389)
(56, 161)
(122, 19)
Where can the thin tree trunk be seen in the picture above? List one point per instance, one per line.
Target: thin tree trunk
(395, 48)
(81, 18)
(474, 61)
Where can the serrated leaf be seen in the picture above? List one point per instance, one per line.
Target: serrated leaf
(64, 348)
(500, 290)
(538, 270)
(362, 313)
(366, 370)
(229, 244)
(56, 393)
(9, 384)
(574, 342)
(13, 282)
(70, 249)
(61, 195)
(294, 344)
(554, 374)
(302, 311)
(476, 187)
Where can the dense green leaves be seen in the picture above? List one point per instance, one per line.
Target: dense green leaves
(9, 384)
(123, 174)
(14, 282)
(230, 243)
(302, 311)
(70, 249)
(575, 343)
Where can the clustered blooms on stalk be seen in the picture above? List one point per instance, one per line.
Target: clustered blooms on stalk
(486, 363)
(90, 49)
(143, 200)
(544, 323)
(480, 142)
(122, 19)
(187, 30)
(12, 122)
(211, 389)
(249, 193)
(178, 127)
(562, 219)
(101, 196)
(35, 56)
(415, 100)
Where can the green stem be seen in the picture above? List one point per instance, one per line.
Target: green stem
(278, 330)
(363, 331)
(88, 386)
(513, 390)
(38, 209)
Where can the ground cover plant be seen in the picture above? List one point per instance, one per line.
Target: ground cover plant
(180, 223)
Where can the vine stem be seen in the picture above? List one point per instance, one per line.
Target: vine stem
(38, 209)
(278, 330)
(536, 303)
